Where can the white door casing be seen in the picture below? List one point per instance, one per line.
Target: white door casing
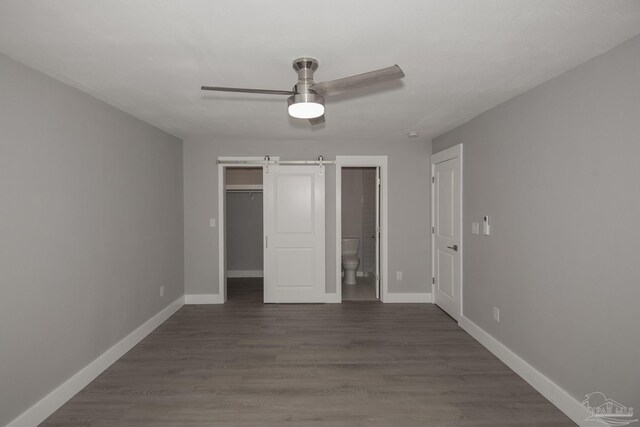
(446, 202)
(380, 162)
(222, 258)
(377, 233)
(294, 224)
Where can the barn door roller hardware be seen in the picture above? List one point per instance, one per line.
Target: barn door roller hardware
(267, 161)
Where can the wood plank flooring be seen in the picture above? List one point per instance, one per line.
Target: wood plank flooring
(352, 364)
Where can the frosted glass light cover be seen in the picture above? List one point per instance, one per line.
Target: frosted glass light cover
(306, 110)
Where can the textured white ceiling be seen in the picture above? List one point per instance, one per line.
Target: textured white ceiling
(461, 58)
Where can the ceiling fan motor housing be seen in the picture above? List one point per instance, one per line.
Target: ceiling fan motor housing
(305, 68)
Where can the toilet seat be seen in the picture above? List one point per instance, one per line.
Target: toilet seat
(349, 261)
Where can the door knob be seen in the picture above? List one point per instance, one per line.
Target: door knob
(454, 247)
(373, 236)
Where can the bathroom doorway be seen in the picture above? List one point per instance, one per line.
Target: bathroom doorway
(244, 233)
(359, 247)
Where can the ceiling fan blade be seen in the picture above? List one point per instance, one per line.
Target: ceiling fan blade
(242, 90)
(317, 120)
(334, 87)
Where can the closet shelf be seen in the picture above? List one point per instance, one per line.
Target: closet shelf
(244, 188)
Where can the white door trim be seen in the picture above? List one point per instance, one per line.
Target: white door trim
(221, 296)
(364, 161)
(449, 153)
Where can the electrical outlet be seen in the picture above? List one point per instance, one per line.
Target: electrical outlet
(475, 228)
(496, 314)
(398, 275)
(212, 222)
(161, 291)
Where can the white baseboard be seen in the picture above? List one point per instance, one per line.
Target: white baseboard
(333, 298)
(410, 298)
(245, 273)
(545, 386)
(59, 396)
(204, 299)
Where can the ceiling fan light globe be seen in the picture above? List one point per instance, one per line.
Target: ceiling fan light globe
(306, 110)
(306, 106)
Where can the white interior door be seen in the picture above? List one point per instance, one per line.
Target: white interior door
(294, 211)
(377, 233)
(447, 222)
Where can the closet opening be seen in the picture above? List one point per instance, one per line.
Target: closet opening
(244, 233)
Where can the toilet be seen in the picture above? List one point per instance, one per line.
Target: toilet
(350, 260)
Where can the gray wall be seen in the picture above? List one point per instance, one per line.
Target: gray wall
(90, 227)
(557, 170)
(244, 231)
(408, 204)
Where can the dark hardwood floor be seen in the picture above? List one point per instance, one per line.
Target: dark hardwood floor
(352, 364)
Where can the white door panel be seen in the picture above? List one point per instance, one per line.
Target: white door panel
(294, 203)
(444, 193)
(445, 264)
(295, 267)
(294, 226)
(447, 246)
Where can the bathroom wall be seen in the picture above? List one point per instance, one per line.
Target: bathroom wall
(352, 205)
(359, 212)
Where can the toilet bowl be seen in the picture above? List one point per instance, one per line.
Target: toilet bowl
(350, 260)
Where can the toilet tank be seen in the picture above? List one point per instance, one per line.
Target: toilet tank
(350, 246)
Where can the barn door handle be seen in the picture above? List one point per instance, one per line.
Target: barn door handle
(454, 247)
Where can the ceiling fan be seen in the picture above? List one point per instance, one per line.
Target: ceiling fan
(306, 100)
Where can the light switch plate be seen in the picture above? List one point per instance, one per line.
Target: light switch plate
(398, 275)
(212, 222)
(475, 228)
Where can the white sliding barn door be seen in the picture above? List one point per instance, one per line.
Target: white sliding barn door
(294, 255)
